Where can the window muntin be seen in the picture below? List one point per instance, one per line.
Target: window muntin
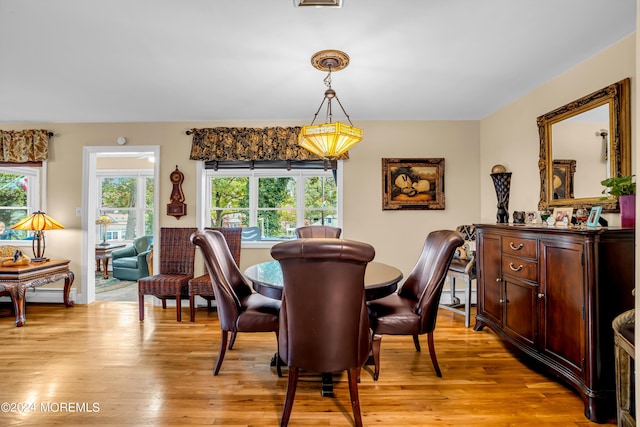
(274, 201)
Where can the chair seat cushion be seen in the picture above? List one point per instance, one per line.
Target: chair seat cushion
(129, 262)
(164, 284)
(260, 314)
(394, 315)
(458, 265)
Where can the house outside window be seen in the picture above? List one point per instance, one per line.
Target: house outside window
(271, 203)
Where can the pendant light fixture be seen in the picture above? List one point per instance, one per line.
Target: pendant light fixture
(329, 140)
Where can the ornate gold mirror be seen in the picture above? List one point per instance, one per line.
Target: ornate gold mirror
(583, 143)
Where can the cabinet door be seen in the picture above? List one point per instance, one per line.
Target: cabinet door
(520, 311)
(562, 304)
(490, 291)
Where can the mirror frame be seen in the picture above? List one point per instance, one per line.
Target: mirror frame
(617, 96)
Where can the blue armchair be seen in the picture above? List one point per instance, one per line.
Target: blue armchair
(131, 263)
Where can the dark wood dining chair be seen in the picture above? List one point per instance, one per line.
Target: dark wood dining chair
(201, 285)
(239, 308)
(413, 309)
(318, 231)
(177, 257)
(324, 326)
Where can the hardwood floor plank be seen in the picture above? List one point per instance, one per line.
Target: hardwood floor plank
(160, 373)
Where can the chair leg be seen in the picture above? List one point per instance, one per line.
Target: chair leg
(192, 308)
(141, 306)
(467, 302)
(223, 349)
(233, 339)
(416, 342)
(164, 303)
(432, 353)
(178, 308)
(292, 383)
(278, 360)
(353, 392)
(375, 349)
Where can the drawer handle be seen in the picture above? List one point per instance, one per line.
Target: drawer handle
(515, 248)
(540, 295)
(518, 268)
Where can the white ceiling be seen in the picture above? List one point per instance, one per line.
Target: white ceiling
(205, 60)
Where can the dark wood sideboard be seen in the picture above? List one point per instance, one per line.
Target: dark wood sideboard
(551, 293)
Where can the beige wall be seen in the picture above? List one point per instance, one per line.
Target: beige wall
(397, 236)
(510, 135)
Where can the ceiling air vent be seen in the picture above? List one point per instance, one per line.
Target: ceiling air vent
(317, 3)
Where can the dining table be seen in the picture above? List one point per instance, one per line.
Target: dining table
(380, 280)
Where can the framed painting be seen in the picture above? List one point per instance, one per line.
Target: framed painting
(413, 184)
(563, 171)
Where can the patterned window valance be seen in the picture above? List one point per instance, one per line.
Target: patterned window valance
(24, 146)
(247, 144)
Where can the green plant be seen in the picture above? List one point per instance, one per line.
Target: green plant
(619, 186)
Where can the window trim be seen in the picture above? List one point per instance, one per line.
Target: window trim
(202, 186)
(141, 175)
(36, 199)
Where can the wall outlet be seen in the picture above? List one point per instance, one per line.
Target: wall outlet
(78, 211)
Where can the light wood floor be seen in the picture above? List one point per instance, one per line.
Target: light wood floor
(159, 373)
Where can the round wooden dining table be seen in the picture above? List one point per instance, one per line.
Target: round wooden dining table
(380, 280)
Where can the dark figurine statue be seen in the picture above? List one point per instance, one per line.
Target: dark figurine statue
(503, 213)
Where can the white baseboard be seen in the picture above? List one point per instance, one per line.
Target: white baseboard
(46, 295)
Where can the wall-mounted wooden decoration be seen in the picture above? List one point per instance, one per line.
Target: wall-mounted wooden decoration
(177, 207)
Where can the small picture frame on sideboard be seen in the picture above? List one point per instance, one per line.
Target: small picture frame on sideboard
(594, 216)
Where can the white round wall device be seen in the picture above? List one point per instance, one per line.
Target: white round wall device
(122, 140)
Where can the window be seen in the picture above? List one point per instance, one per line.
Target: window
(271, 202)
(19, 197)
(127, 197)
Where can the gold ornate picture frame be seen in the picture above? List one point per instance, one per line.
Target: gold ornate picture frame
(413, 184)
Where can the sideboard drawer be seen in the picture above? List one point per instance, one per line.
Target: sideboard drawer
(517, 267)
(520, 247)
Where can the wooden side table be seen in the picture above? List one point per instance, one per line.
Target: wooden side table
(16, 280)
(103, 255)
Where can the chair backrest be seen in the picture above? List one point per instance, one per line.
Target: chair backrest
(177, 253)
(229, 284)
(424, 283)
(142, 243)
(233, 236)
(318, 231)
(324, 324)
(465, 255)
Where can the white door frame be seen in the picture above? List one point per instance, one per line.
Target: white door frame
(87, 291)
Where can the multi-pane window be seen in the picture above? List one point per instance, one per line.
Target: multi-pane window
(19, 195)
(126, 196)
(271, 203)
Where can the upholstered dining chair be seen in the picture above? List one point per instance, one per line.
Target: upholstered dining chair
(318, 231)
(462, 267)
(239, 308)
(177, 257)
(324, 326)
(201, 285)
(412, 310)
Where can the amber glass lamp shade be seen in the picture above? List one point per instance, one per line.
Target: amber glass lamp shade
(103, 220)
(38, 222)
(329, 140)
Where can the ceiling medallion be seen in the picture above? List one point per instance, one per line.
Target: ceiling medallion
(330, 60)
